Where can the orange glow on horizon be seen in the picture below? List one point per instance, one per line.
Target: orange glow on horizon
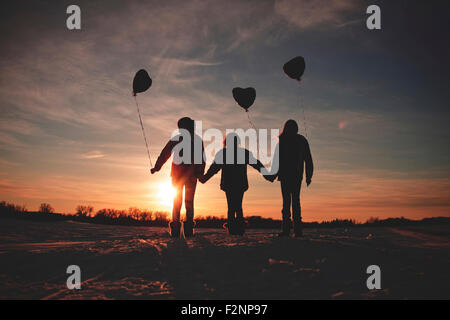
(166, 194)
(333, 194)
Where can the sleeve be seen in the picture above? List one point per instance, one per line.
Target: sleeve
(309, 167)
(165, 154)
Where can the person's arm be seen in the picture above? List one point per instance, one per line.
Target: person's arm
(309, 167)
(256, 164)
(213, 169)
(164, 156)
(215, 166)
(275, 166)
(253, 162)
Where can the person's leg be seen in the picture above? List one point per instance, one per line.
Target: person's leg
(286, 211)
(177, 200)
(231, 211)
(296, 208)
(286, 194)
(240, 224)
(238, 197)
(175, 224)
(189, 193)
(230, 204)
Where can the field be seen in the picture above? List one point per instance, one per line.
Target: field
(122, 262)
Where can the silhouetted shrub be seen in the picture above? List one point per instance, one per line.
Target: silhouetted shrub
(210, 222)
(373, 220)
(140, 215)
(160, 219)
(110, 214)
(46, 208)
(9, 210)
(84, 211)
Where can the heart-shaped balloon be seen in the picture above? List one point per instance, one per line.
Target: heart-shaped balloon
(295, 68)
(141, 81)
(244, 97)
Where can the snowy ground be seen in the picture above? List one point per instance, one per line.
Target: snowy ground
(119, 262)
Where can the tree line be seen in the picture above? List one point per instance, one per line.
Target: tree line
(138, 217)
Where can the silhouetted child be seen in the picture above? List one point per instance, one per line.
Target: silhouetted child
(188, 165)
(292, 153)
(233, 161)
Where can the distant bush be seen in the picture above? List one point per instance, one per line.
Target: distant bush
(133, 216)
(46, 208)
(161, 216)
(9, 210)
(260, 222)
(140, 215)
(338, 223)
(210, 222)
(373, 220)
(111, 214)
(84, 211)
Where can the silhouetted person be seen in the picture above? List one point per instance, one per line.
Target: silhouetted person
(293, 154)
(187, 165)
(233, 161)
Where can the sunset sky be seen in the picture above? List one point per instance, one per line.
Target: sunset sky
(376, 102)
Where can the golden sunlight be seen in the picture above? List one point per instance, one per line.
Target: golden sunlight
(166, 193)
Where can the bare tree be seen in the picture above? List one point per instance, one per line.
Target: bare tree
(46, 208)
(84, 211)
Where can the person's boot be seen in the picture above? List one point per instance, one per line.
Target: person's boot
(230, 227)
(240, 227)
(285, 228)
(175, 229)
(298, 229)
(188, 228)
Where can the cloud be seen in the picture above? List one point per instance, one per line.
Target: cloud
(19, 126)
(186, 62)
(9, 140)
(95, 154)
(315, 13)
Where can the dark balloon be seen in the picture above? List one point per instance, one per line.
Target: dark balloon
(294, 68)
(141, 81)
(244, 97)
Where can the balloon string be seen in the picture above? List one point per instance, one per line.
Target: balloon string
(304, 123)
(303, 110)
(249, 120)
(302, 106)
(143, 131)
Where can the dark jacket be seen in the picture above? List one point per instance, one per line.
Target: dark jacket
(234, 173)
(194, 168)
(293, 154)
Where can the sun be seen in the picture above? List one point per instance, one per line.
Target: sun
(166, 193)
